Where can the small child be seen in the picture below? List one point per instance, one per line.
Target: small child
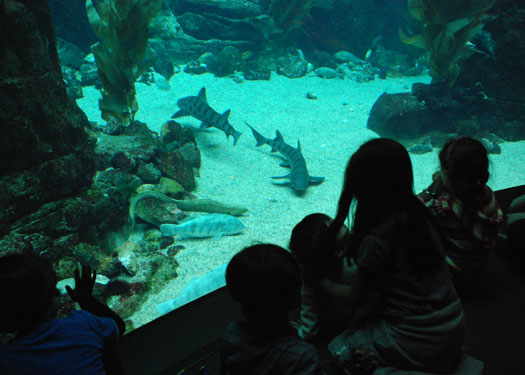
(318, 262)
(464, 206)
(264, 279)
(85, 342)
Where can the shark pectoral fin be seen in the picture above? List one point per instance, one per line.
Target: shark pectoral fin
(281, 177)
(180, 113)
(285, 164)
(316, 180)
(285, 183)
(204, 125)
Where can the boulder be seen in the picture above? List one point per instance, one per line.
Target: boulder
(45, 153)
(485, 100)
(174, 166)
(229, 8)
(209, 26)
(399, 116)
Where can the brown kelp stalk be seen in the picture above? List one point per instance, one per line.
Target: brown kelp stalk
(122, 53)
(447, 27)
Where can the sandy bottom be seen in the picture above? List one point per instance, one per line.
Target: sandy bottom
(330, 129)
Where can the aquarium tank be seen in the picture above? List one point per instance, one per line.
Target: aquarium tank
(154, 139)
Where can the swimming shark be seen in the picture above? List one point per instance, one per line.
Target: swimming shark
(299, 179)
(198, 107)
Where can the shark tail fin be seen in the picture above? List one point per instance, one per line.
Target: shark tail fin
(236, 136)
(261, 140)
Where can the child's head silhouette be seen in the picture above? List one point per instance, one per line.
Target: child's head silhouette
(465, 164)
(264, 279)
(27, 291)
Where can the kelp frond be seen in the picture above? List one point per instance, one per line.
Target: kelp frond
(122, 54)
(448, 25)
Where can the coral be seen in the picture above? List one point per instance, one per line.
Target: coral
(122, 55)
(447, 27)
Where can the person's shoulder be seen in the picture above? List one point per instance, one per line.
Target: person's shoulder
(297, 345)
(81, 315)
(102, 325)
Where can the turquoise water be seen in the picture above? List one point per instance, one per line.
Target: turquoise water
(329, 128)
(325, 109)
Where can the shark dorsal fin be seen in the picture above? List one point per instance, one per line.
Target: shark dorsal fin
(202, 95)
(226, 114)
(278, 136)
(298, 146)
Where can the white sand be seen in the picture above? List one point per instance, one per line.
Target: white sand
(330, 128)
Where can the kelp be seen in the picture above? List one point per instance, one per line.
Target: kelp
(122, 55)
(448, 25)
(288, 16)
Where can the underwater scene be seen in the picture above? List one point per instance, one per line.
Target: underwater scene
(199, 127)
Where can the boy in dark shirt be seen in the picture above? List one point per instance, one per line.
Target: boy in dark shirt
(265, 279)
(85, 342)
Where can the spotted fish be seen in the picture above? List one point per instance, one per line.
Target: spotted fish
(299, 179)
(198, 107)
(212, 225)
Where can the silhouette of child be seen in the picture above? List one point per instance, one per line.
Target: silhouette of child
(399, 257)
(264, 279)
(317, 262)
(464, 206)
(85, 342)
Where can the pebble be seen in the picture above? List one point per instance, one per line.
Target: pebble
(327, 73)
(311, 95)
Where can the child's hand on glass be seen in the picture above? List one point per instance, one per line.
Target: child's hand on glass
(83, 285)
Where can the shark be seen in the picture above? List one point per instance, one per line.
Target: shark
(198, 107)
(299, 179)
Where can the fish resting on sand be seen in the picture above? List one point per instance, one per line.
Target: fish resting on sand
(211, 225)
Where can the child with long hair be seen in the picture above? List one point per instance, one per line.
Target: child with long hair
(399, 256)
(464, 206)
